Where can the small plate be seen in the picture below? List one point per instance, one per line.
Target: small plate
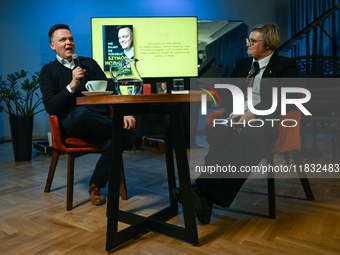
(96, 93)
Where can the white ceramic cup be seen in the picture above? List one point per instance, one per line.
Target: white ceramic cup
(93, 86)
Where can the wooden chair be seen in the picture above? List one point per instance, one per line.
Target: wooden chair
(288, 142)
(73, 147)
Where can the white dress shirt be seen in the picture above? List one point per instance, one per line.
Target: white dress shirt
(69, 65)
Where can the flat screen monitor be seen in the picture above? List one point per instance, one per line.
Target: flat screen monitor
(164, 46)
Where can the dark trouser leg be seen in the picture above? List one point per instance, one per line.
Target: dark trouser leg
(227, 147)
(84, 123)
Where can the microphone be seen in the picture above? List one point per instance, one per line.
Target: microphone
(76, 60)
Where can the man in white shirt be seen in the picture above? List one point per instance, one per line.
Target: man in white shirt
(60, 83)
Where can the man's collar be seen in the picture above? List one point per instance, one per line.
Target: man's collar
(62, 60)
(65, 62)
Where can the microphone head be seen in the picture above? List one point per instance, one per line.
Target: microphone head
(75, 60)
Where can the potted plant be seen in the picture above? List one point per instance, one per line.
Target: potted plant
(21, 108)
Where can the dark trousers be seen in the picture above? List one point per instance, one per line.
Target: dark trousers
(228, 147)
(83, 122)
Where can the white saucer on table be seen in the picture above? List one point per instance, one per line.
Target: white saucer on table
(96, 93)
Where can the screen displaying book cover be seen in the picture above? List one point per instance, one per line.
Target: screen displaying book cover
(164, 46)
(118, 45)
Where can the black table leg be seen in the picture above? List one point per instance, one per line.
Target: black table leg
(169, 162)
(114, 183)
(157, 221)
(184, 176)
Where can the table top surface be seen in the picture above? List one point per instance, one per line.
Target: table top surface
(139, 99)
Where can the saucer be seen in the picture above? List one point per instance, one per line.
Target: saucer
(96, 93)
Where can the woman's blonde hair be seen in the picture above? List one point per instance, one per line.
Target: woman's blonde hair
(270, 35)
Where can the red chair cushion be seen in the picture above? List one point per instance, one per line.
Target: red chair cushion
(81, 143)
(289, 137)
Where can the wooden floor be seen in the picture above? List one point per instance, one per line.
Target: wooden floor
(32, 222)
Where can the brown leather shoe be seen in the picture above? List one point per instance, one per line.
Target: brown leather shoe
(96, 195)
(152, 144)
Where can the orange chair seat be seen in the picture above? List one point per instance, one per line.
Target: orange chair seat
(82, 143)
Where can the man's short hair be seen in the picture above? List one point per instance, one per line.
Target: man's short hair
(270, 34)
(55, 28)
(124, 26)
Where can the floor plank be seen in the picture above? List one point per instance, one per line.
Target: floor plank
(34, 222)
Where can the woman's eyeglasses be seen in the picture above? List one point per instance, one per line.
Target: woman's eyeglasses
(252, 41)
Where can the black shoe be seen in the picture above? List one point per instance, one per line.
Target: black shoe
(204, 216)
(201, 201)
(154, 145)
(194, 188)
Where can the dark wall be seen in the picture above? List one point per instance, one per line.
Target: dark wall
(229, 48)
